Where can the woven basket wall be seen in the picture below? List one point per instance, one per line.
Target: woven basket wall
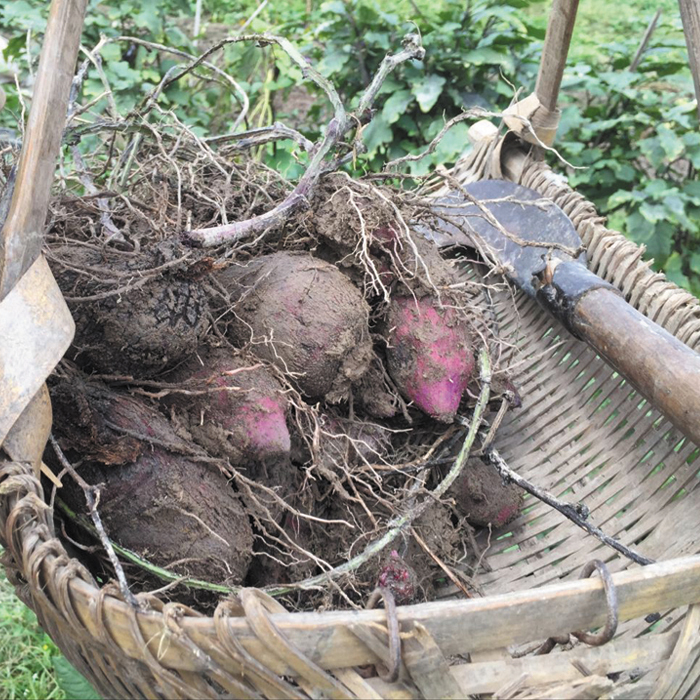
(582, 433)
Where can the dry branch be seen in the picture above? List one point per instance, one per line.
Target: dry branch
(318, 165)
(578, 513)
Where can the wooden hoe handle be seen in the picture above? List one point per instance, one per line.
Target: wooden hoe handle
(662, 368)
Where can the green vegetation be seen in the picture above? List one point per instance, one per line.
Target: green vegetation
(633, 133)
(26, 651)
(31, 666)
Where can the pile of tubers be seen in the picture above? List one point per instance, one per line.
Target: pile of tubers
(232, 411)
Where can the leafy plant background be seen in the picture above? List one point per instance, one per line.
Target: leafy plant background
(632, 136)
(633, 133)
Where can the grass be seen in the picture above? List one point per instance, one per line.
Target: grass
(600, 22)
(26, 652)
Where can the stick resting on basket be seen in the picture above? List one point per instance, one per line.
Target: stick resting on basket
(577, 513)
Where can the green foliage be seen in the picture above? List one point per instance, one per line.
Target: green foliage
(470, 49)
(26, 652)
(72, 683)
(634, 134)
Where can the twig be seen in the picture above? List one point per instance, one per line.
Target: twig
(410, 48)
(577, 513)
(77, 83)
(644, 42)
(440, 563)
(96, 59)
(335, 130)
(144, 564)
(183, 54)
(505, 404)
(92, 497)
(250, 19)
(105, 215)
(197, 22)
(264, 134)
(476, 113)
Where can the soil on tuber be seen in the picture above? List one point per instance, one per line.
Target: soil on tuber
(156, 497)
(306, 317)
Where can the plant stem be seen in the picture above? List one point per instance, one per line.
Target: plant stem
(577, 513)
(335, 130)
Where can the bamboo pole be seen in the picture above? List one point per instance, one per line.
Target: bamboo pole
(690, 15)
(22, 234)
(556, 48)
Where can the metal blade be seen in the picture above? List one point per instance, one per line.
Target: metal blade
(534, 224)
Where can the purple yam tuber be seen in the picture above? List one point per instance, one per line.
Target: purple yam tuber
(156, 497)
(399, 578)
(429, 354)
(306, 317)
(236, 408)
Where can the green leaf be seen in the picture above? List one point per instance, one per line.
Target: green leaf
(659, 244)
(334, 60)
(380, 39)
(121, 76)
(691, 139)
(622, 197)
(396, 105)
(15, 47)
(72, 683)
(653, 213)
(674, 271)
(626, 173)
(640, 229)
(148, 17)
(336, 7)
(453, 143)
(20, 14)
(670, 142)
(376, 133)
(653, 150)
(428, 90)
(677, 207)
(484, 56)
(657, 188)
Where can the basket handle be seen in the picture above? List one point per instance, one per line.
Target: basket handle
(560, 27)
(21, 237)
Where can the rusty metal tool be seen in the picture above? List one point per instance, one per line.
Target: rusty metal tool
(539, 249)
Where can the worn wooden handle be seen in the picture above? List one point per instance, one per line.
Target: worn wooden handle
(22, 234)
(658, 365)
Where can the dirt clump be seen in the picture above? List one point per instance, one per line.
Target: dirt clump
(483, 498)
(130, 318)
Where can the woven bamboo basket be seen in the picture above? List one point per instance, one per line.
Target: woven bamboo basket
(582, 431)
